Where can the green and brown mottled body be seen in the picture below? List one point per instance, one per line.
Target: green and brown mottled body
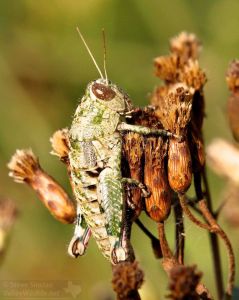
(95, 149)
(95, 160)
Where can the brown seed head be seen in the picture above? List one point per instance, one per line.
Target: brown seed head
(232, 76)
(127, 277)
(23, 165)
(175, 110)
(185, 45)
(59, 142)
(183, 283)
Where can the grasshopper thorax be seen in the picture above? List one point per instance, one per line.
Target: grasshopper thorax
(110, 95)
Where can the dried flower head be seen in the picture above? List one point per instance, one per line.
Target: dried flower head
(59, 142)
(223, 158)
(232, 76)
(8, 213)
(192, 75)
(230, 209)
(23, 166)
(166, 67)
(158, 204)
(175, 110)
(133, 152)
(233, 115)
(183, 283)
(185, 45)
(179, 166)
(127, 278)
(232, 79)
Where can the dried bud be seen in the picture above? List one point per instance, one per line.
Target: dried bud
(166, 67)
(232, 76)
(158, 204)
(8, 214)
(133, 150)
(179, 166)
(174, 113)
(127, 279)
(230, 209)
(233, 115)
(223, 158)
(175, 109)
(59, 142)
(185, 45)
(183, 283)
(192, 75)
(24, 167)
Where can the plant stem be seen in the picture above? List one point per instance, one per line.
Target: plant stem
(214, 242)
(211, 220)
(179, 233)
(154, 241)
(169, 262)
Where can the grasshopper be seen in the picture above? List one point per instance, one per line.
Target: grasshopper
(95, 150)
(93, 153)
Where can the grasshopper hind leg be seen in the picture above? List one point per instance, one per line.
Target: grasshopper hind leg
(79, 241)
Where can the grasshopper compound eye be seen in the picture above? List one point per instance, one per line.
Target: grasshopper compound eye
(103, 92)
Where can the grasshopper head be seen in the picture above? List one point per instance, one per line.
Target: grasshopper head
(110, 95)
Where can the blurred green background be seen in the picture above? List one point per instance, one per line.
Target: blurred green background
(44, 69)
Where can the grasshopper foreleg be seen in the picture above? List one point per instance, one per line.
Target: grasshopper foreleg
(146, 130)
(144, 190)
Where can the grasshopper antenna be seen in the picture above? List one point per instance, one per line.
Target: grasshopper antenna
(104, 42)
(90, 53)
